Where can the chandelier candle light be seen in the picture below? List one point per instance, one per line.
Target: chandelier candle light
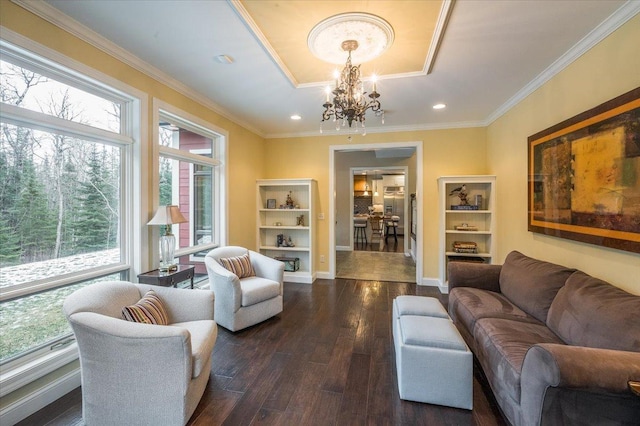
(349, 103)
(167, 216)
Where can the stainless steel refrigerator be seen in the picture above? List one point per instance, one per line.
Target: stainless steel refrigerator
(394, 204)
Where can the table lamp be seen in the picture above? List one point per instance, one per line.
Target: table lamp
(167, 216)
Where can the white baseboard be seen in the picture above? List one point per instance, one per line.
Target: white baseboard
(343, 248)
(430, 282)
(299, 277)
(435, 282)
(324, 275)
(39, 398)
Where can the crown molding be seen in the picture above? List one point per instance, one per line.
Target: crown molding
(244, 16)
(84, 33)
(438, 34)
(380, 129)
(625, 12)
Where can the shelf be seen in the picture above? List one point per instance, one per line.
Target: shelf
(468, 211)
(455, 231)
(285, 248)
(283, 210)
(288, 227)
(453, 253)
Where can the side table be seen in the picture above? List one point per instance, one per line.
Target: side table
(168, 279)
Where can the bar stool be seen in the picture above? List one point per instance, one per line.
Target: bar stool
(360, 231)
(392, 223)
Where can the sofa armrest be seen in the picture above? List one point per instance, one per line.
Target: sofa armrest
(103, 339)
(267, 267)
(477, 275)
(183, 305)
(224, 284)
(599, 371)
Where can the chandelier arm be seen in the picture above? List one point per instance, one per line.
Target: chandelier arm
(349, 98)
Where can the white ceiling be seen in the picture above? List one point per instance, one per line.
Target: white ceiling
(493, 53)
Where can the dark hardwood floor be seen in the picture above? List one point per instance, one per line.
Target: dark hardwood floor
(328, 359)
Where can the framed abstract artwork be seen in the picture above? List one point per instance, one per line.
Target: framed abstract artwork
(584, 176)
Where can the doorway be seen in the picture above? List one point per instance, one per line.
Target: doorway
(401, 262)
(379, 191)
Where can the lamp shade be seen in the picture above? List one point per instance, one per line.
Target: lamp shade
(167, 215)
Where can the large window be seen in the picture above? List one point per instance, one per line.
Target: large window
(65, 149)
(190, 176)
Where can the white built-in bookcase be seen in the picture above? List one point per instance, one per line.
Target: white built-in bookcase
(481, 219)
(283, 220)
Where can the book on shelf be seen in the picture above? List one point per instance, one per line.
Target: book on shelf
(464, 207)
(466, 250)
(465, 247)
(473, 259)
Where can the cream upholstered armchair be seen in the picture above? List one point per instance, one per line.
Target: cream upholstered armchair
(249, 296)
(136, 373)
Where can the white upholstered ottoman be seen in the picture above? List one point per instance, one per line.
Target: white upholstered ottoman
(433, 363)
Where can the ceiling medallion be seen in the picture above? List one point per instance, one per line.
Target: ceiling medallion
(373, 34)
(348, 102)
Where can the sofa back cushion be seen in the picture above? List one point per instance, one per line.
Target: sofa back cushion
(532, 284)
(591, 312)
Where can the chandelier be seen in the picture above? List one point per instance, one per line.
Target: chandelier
(348, 102)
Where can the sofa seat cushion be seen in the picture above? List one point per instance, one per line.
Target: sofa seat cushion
(591, 312)
(532, 284)
(467, 305)
(501, 345)
(203, 337)
(257, 289)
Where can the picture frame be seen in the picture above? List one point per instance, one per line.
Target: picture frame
(584, 176)
(271, 203)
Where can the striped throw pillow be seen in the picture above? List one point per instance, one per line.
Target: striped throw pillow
(239, 265)
(148, 310)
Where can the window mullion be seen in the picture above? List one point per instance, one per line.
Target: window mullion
(36, 120)
(177, 154)
(24, 289)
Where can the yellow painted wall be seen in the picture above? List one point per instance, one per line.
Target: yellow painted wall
(609, 69)
(445, 152)
(245, 149)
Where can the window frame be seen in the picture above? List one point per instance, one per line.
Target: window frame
(218, 160)
(40, 360)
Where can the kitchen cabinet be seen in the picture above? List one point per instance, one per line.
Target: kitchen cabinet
(467, 232)
(392, 180)
(359, 183)
(276, 218)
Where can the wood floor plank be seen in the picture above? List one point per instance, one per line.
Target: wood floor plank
(323, 410)
(286, 385)
(302, 399)
(380, 392)
(339, 365)
(355, 395)
(365, 336)
(251, 401)
(219, 404)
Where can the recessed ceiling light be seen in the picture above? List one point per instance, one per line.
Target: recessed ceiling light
(223, 59)
(296, 117)
(439, 106)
